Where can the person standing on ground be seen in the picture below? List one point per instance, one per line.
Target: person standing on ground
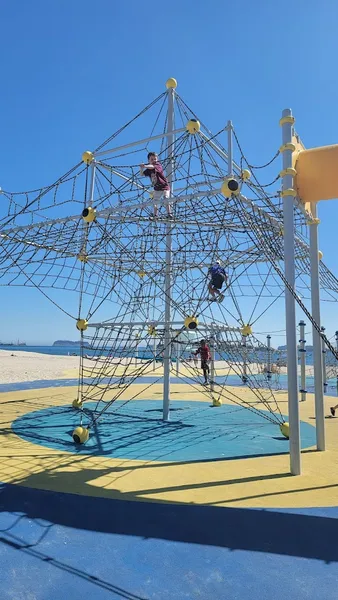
(204, 351)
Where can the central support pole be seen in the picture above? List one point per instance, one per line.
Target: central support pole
(289, 253)
(316, 339)
(336, 337)
(268, 363)
(154, 352)
(168, 252)
(230, 163)
(324, 362)
(302, 354)
(212, 363)
(245, 360)
(178, 349)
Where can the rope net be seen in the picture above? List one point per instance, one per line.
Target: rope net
(113, 266)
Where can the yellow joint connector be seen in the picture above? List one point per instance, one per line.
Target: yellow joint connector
(289, 146)
(288, 119)
(315, 221)
(289, 171)
(289, 192)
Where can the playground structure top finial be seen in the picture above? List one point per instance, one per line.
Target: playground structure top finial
(171, 83)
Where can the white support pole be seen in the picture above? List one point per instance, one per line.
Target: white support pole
(154, 351)
(141, 143)
(336, 336)
(324, 362)
(290, 309)
(212, 364)
(136, 349)
(118, 325)
(302, 356)
(230, 157)
(245, 360)
(177, 358)
(168, 252)
(317, 344)
(88, 202)
(92, 183)
(268, 362)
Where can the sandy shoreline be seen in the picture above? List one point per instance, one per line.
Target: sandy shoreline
(20, 366)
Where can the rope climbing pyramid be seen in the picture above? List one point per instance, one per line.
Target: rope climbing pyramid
(134, 251)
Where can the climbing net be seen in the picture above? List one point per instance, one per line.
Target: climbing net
(93, 233)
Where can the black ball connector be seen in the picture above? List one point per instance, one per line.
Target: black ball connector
(233, 185)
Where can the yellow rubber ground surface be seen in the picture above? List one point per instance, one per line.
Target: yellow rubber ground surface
(254, 482)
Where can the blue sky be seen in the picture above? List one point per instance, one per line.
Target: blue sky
(72, 72)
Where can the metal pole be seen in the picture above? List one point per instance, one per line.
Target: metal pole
(229, 128)
(140, 142)
(88, 202)
(92, 184)
(136, 349)
(177, 358)
(302, 356)
(212, 363)
(154, 350)
(245, 360)
(324, 362)
(118, 325)
(317, 344)
(336, 336)
(167, 282)
(268, 366)
(290, 309)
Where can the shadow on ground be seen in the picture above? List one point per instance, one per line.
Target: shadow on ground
(269, 531)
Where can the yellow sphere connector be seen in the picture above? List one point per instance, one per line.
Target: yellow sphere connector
(246, 330)
(89, 214)
(80, 435)
(285, 429)
(245, 174)
(77, 403)
(141, 274)
(171, 83)
(81, 324)
(87, 157)
(320, 255)
(217, 402)
(82, 258)
(230, 187)
(152, 330)
(191, 323)
(193, 126)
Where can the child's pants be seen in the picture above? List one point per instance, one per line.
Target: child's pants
(157, 196)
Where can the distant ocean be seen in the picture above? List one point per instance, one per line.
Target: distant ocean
(56, 350)
(142, 352)
(72, 350)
